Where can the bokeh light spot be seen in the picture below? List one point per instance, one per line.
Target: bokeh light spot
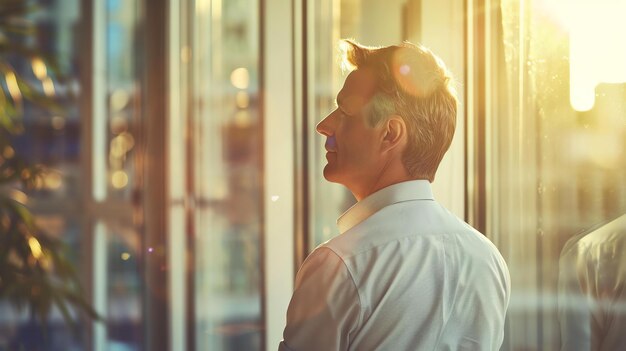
(240, 78)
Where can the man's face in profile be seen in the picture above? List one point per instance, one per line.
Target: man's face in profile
(353, 147)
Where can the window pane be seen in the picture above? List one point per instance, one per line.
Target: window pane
(116, 99)
(559, 168)
(118, 285)
(116, 245)
(226, 130)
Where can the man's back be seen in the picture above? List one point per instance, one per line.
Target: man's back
(405, 274)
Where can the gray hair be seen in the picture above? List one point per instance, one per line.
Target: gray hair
(414, 84)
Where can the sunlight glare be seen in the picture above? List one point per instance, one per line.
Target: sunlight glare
(597, 50)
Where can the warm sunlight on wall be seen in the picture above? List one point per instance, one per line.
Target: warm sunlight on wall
(597, 45)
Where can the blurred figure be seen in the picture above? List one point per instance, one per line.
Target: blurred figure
(592, 294)
(405, 273)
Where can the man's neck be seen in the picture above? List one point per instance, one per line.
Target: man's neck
(384, 180)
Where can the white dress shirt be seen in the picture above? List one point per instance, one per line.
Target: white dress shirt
(592, 289)
(405, 274)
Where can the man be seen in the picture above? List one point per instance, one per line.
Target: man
(592, 289)
(404, 274)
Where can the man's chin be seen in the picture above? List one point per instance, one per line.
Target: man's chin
(330, 174)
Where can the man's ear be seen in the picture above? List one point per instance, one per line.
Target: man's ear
(394, 133)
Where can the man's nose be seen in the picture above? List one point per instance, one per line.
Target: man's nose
(325, 126)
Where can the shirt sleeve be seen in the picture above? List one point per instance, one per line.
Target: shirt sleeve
(325, 309)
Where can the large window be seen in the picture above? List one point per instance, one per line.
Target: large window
(555, 166)
(216, 157)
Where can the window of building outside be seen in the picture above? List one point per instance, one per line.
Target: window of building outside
(556, 168)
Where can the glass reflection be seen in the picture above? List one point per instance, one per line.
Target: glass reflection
(555, 171)
(592, 289)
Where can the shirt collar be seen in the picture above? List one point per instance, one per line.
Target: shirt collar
(399, 192)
